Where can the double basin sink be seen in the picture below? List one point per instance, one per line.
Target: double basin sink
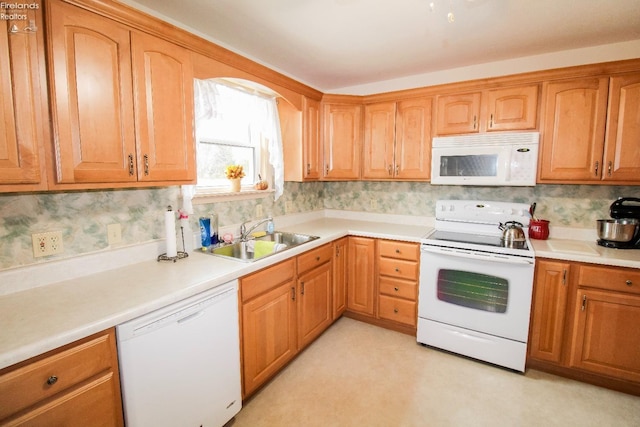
(241, 251)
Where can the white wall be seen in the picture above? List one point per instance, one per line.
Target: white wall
(568, 58)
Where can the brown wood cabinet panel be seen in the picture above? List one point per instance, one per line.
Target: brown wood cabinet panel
(342, 138)
(606, 338)
(163, 84)
(340, 268)
(622, 144)
(400, 250)
(312, 151)
(314, 258)
(262, 281)
(513, 108)
(361, 289)
(610, 278)
(398, 310)
(22, 105)
(314, 304)
(572, 139)
(91, 97)
(551, 289)
(459, 113)
(379, 140)
(269, 334)
(399, 288)
(77, 384)
(413, 139)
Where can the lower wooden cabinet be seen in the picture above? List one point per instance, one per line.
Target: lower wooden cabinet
(340, 263)
(383, 282)
(75, 385)
(283, 309)
(585, 323)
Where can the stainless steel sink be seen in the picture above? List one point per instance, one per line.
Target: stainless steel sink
(239, 250)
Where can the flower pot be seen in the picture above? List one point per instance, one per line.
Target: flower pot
(235, 184)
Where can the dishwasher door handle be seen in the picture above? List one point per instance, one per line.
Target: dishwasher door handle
(191, 317)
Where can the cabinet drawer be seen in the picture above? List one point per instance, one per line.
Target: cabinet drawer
(400, 250)
(314, 258)
(55, 372)
(398, 288)
(264, 280)
(398, 310)
(398, 268)
(615, 279)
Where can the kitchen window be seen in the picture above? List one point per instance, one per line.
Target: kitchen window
(236, 124)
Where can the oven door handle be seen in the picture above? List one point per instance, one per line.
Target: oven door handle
(479, 256)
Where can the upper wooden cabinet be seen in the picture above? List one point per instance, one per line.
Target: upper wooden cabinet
(301, 140)
(342, 140)
(621, 160)
(591, 130)
(458, 113)
(501, 109)
(23, 110)
(397, 140)
(572, 139)
(122, 102)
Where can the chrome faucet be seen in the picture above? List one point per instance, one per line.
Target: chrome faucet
(243, 227)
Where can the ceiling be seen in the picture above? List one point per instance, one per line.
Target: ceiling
(332, 44)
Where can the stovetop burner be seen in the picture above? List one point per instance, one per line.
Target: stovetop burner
(475, 239)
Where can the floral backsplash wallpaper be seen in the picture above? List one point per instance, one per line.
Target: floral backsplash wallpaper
(83, 216)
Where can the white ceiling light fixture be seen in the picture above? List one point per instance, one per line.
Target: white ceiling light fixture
(450, 16)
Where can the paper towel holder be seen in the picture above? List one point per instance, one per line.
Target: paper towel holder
(179, 254)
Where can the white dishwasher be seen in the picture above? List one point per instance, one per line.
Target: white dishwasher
(180, 365)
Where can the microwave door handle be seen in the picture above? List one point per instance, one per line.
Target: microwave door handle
(478, 256)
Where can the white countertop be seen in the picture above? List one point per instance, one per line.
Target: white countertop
(43, 318)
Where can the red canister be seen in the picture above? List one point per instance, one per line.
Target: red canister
(539, 229)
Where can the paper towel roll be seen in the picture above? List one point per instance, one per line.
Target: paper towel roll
(170, 232)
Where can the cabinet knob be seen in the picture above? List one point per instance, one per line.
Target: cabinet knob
(629, 282)
(397, 270)
(395, 310)
(317, 258)
(52, 380)
(397, 251)
(396, 289)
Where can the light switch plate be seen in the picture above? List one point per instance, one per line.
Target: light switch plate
(114, 234)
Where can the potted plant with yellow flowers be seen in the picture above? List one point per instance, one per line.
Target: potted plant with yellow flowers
(234, 173)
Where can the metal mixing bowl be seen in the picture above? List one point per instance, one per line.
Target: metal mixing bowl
(617, 230)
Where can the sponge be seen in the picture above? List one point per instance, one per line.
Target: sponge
(259, 234)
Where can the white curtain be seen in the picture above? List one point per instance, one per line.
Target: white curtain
(207, 99)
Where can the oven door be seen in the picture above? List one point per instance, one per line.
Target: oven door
(483, 292)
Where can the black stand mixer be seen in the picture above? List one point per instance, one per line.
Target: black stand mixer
(623, 231)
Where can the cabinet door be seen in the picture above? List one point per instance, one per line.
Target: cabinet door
(622, 145)
(413, 139)
(572, 140)
(379, 138)
(606, 338)
(163, 87)
(314, 303)
(22, 107)
(311, 139)
(91, 97)
(342, 141)
(514, 108)
(549, 310)
(458, 113)
(268, 334)
(340, 263)
(361, 290)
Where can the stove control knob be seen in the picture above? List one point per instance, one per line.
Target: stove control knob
(451, 207)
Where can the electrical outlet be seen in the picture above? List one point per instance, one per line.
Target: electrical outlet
(288, 206)
(258, 211)
(47, 243)
(374, 204)
(114, 234)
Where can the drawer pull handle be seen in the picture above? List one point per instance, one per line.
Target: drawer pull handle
(397, 270)
(397, 251)
(396, 289)
(52, 380)
(317, 258)
(629, 282)
(395, 310)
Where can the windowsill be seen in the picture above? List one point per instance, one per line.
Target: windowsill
(225, 196)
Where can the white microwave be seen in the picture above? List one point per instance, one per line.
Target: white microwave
(505, 159)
